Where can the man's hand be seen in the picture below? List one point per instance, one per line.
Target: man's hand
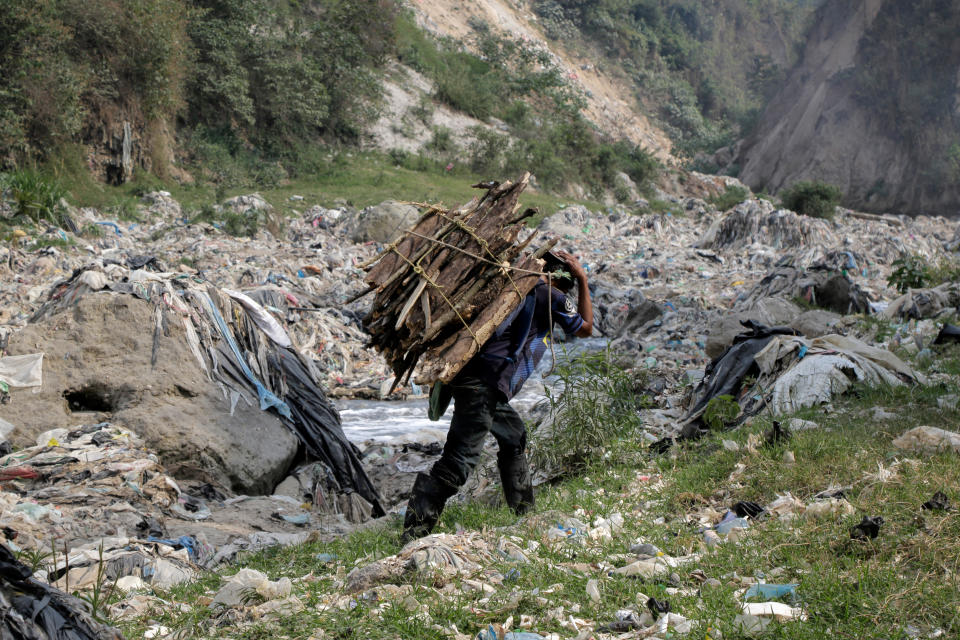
(576, 269)
(584, 305)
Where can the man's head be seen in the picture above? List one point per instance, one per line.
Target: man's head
(561, 277)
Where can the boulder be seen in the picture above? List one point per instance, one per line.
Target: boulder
(383, 222)
(101, 363)
(815, 323)
(768, 311)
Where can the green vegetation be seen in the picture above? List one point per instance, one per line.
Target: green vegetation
(705, 68)
(595, 410)
(255, 95)
(720, 412)
(848, 589)
(247, 80)
(731, 197)
(814, 199)
(522, 87)
(917, 272)
(35, 197)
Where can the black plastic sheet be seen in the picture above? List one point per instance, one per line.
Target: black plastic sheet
(32, 610)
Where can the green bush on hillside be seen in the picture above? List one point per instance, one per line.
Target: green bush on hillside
(36, 197)
(731, 197)
(812, 198)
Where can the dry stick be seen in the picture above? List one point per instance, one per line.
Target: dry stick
(415, 258)
(481, 258)
(408, 307)
(481, 283)
(452, 225)
(425, 305)
(419, 270)
(372, 260)
(477, 286)
(482, 242)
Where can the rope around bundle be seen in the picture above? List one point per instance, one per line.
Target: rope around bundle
(469, 263)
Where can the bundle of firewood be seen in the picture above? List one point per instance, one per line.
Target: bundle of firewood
(445, 286)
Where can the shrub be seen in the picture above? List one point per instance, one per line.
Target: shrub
(595, 411)
(487, 151)
(36, 197)
(813, 198)
(916, 272)
(730, 198)
(909, 272)
(720, 411)
(442, 140)
(642, 167)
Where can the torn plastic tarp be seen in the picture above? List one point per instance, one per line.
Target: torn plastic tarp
(925, 303)
(22, 371)
(725, 375)
(267, 323)
(32, 610)
(832, 365)
(790, 373)
(267, 398)
(233, 348)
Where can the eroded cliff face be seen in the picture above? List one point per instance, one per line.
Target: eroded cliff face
(873, 107)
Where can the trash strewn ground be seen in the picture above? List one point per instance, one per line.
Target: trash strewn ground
(164, 392)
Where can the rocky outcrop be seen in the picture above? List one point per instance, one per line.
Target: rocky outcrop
(871, 108)
(383, 222)
(101, 363)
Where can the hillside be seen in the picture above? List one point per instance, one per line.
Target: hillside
(238, 95)
(873, 107)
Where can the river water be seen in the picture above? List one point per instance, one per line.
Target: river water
(388, 420)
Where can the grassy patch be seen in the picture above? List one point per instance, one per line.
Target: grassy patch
(359, 179)
(904, 579)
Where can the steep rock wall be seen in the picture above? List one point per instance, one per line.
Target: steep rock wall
(873, 107)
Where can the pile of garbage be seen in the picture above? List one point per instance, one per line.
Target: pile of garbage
(777, 370)
(33, 610)
(234, 342)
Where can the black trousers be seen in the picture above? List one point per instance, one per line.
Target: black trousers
(478, 409)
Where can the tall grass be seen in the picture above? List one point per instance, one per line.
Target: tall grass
(36, 197)
(594, 416)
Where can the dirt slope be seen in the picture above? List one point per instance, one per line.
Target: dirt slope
(610, 101)
(872, 116)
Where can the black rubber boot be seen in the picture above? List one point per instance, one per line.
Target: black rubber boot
(425, 506)
(517, 486)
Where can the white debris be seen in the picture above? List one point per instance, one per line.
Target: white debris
(246, 584)
(755, 616)
(928, 440)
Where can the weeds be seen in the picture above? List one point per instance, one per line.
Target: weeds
(595, 409)
(33, 558)
(916, 272)
(36, 197)
(730, 198)
(99, 594)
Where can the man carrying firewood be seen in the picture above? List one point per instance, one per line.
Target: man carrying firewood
(484, 386)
